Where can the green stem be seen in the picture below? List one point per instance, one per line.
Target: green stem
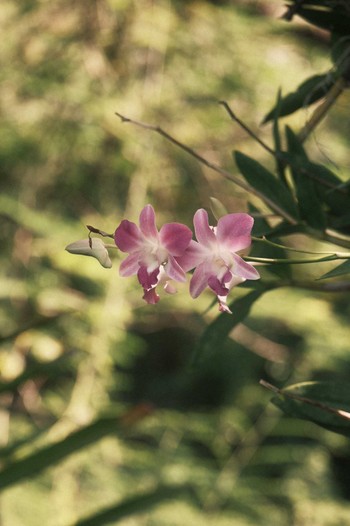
(331, 257)
(341, 255)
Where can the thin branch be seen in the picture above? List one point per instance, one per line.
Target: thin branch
(246, 128)
(93, 230)
(309, 401)
(213, 166)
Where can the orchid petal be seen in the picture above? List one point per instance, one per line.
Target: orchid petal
(151, 296)
(223, 307)
(130, 265)
(204, 233)
(148, 222)
(199, 280)
(169, 288)
(174, 271)
(234, 231)
(175, 238)
(150, 261)
(235, 280)
(128, 236)
(193, 256)
(243, 269)
(147, 279)
(217, 286)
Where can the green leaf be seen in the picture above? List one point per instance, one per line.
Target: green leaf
(330, 188)
(216, 333)
(310, 206)
(340, 270)
(324, 403)
(50, 455)
(264, 181)
(310, 91)
(341, 53)
(280, 164)
(137, 504)
(261, 226)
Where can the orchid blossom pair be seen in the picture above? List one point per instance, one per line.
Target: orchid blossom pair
(166, 255)
(157, 257)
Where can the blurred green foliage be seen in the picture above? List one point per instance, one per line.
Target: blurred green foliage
(103, 413)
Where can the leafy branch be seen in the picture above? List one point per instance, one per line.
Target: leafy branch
(250, 189)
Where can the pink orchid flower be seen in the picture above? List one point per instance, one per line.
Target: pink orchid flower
(152, 254)
(214, 255)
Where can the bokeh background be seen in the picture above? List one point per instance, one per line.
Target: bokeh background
(78, 342)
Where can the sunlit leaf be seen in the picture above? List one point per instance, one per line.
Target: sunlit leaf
(340, 270)
(324, 403)
(310, 91)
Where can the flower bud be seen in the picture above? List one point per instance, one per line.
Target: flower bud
(217, 208)
(97, 250)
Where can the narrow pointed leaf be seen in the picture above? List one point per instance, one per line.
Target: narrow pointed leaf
(264, 181)
(310, 205)
(280, 164)
(330, 188)
(261, 227)
(324, 403)
(340, 270)
(310, 91)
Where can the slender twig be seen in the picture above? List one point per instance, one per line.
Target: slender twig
(246, 128)
(93, 230)
(309, 401)
(269, 202)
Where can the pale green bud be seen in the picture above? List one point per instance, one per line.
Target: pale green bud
(97, 250)
(217, 208)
